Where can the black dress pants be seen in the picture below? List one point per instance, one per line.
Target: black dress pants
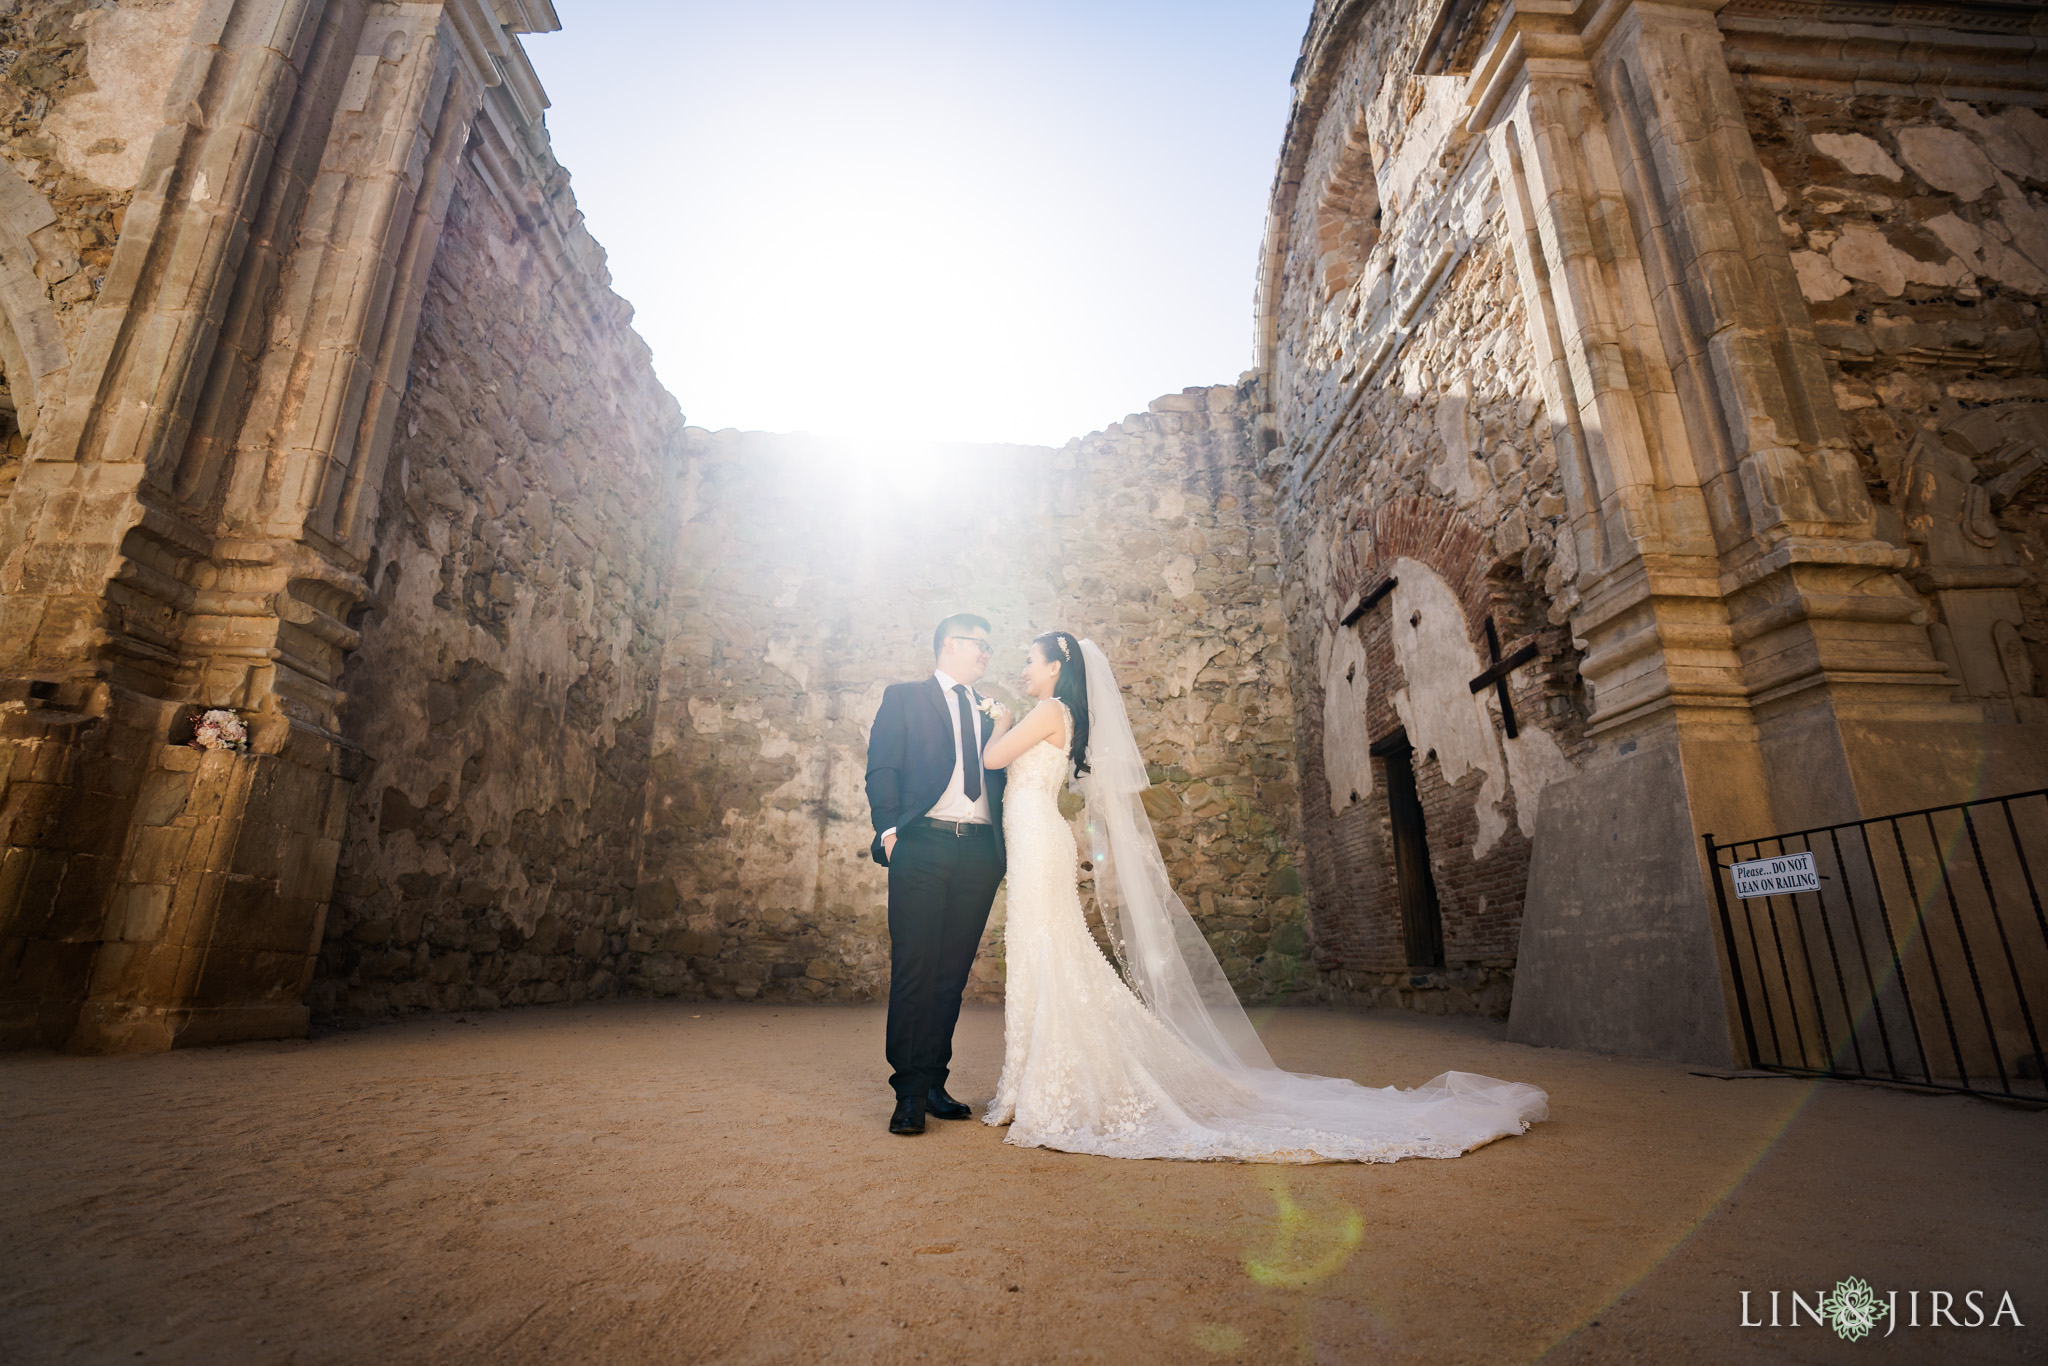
(941, 886)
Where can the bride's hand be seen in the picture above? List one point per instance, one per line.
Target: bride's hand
(999, 719)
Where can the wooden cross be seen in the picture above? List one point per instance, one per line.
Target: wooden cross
(1496, 675)
(1371, 599)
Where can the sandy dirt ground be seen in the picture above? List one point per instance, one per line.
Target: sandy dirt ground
(706, 1183)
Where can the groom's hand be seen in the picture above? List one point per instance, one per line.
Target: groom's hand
(889, 845)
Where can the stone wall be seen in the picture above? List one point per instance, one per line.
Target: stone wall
(320, 411)
(544, 820)
(218, 227)
(810, 577)
(1918, 229)
(1424, 440)
(504, 691)
(623, 751)
(1700, 362)
(1696, 355)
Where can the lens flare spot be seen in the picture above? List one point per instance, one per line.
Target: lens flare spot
(1218, 1338)
(1307, 1246)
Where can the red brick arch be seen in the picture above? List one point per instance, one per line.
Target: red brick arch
(1427, 531)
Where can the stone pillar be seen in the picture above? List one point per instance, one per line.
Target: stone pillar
(1615, 947)
(1754, 660)
(194, 515)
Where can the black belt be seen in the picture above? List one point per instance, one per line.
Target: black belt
(958, 829)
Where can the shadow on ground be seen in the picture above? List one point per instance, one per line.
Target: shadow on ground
(685, 1183)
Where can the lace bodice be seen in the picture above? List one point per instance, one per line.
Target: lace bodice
(1039, 772)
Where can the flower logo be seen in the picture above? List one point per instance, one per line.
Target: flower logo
(1852, 1310)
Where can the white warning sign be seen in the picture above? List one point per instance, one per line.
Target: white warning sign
(1776, 876)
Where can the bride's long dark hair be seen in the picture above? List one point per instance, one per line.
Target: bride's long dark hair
(1060, 647)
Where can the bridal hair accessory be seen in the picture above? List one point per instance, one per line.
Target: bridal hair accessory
(1059, 638)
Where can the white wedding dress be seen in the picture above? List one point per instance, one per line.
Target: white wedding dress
(1172, 1068)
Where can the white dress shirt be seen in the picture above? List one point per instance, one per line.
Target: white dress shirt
(953, 804)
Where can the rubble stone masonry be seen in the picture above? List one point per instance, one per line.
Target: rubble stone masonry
(1918, 229)
(505, 689)
(615, 758)
(1694, 351)
(811, 577)
(1687, 356)
(320, 410)
(1422, 439)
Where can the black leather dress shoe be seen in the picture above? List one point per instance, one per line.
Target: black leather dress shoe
(908, 1119)
(942, 1106)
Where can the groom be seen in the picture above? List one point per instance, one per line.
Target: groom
(939, 831)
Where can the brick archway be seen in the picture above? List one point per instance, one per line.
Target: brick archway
(1431, 533)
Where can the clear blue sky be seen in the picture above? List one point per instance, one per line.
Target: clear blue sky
(954, 220)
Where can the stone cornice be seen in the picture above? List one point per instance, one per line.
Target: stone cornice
(1981, 49)
(1958, 48)
(2015, 17)
(491, 50)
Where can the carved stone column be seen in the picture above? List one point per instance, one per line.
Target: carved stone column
(1755, 661)
(194, 516)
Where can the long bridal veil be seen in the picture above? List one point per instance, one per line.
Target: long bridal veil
(1164, 955)
(1170, 965)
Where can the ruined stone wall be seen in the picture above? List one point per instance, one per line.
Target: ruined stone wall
(1419, 437)
(504, 691)
(1919, 232)
(81, 99)
(810, 577)
(1535, 347)
(360, 448)
(218, 228)
(70, 758)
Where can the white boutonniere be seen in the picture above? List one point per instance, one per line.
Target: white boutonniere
(987, 706)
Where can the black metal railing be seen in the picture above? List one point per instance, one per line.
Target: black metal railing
(1917, 953)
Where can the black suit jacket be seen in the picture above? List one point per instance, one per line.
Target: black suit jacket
(910, 759)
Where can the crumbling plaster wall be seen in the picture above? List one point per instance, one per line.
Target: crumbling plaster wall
(504, 692)
(1919, 230)
(155, 267)
(1421, 436)
(1407, 413)
(82, 96)
(810, 578)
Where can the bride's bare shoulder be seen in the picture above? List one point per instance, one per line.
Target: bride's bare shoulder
(1054, 713)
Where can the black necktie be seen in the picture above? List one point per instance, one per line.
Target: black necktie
(970, 752)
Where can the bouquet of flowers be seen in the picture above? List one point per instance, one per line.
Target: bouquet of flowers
(220, 729)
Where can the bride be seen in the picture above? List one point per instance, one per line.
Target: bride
(1160, 1060)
